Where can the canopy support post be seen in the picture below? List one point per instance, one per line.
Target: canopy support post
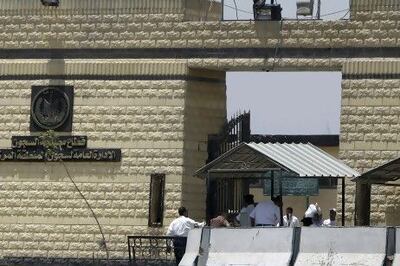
(222, 9)
(343, 201)
(272, 185)
(363, 204)
(281, 201)
(280, 195)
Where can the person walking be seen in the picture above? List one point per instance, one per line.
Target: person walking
(179, 228)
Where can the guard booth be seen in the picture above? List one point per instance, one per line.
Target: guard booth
(285, 168)
(387, 174)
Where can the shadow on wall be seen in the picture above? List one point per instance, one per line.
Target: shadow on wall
(393, 215)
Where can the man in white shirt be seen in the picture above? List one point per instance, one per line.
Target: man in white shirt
(289, 220)
(180, 228)
(332, 218)
(244, 216)
(266, 213)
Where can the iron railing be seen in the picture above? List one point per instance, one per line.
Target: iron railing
(153, 250)
(233, 132)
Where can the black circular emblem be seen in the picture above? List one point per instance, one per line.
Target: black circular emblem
(50, 108)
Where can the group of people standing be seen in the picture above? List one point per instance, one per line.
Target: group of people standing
(265, 213)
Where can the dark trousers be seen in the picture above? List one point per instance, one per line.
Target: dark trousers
(179, 248)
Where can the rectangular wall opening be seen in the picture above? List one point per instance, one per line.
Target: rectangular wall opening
(289, 107)
(156, 204)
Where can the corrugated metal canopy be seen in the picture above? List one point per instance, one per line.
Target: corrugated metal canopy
(385, 174)
(304, 160)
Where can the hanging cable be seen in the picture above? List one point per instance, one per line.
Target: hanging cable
(236, 9)
(103, 243)
(345, 14)
(278, 46)
(239, 10)
(336, 12)
(48, 139)
(247, 12)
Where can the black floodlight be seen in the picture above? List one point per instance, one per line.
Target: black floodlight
(263, 11)
(55, 3)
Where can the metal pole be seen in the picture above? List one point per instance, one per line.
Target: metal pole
(272, 184)
(129, 251)
(222, 9)
(343, 201)
(209, 199)
(281, 201)
(319, 10)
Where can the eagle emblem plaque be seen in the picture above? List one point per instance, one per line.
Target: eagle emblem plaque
(51, 108)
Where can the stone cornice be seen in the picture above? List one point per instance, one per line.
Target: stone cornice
(145, 6)
(99, 68)
(190, 53)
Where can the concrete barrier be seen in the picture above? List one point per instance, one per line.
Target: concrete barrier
(396, 261)
(342, 246)
(192, 248)
(255, 246)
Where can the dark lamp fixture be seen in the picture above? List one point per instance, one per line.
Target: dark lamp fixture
(55, 3)
(263, 11)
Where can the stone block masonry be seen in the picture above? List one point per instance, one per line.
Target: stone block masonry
(370, 135)
(140, 31)
(39, 198)
(144, 115)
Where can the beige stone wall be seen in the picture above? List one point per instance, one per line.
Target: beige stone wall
(99, 11)
(162, 127)
(370, 130)
(42, 214)
(205, 114)
(372, 7)
(62, 29)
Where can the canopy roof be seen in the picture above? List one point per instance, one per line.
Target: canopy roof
(386, 174)
(255, 159)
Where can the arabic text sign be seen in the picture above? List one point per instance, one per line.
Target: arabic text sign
(293, 186)
(113, 155)
(62, 142)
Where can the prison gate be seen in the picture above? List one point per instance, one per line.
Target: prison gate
(149, 78)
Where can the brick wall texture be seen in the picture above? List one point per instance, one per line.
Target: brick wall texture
(168, 31)
(162, 119)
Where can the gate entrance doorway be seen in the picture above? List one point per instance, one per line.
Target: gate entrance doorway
(284, 165)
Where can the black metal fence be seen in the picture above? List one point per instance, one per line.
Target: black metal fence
(229, 195)
(234, 132)
(153, 250)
